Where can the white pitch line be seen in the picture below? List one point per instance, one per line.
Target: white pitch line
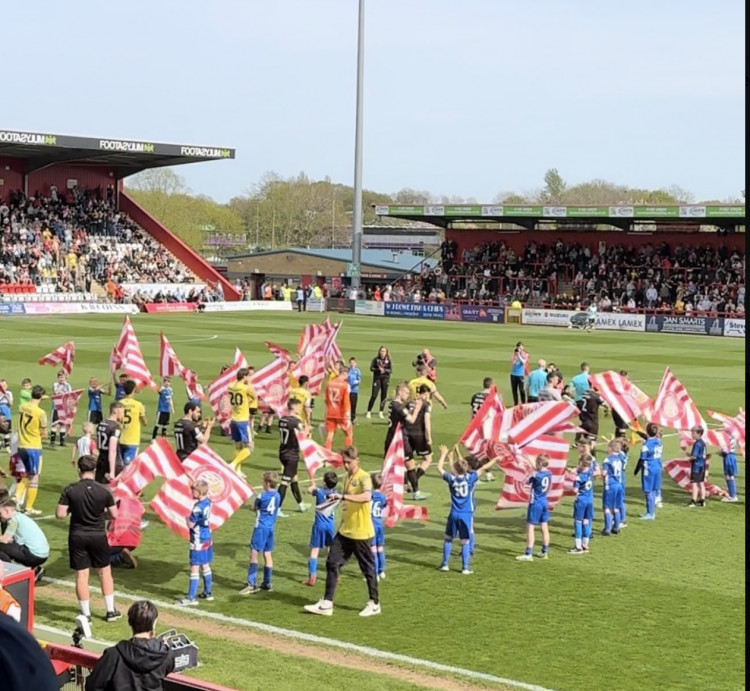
(331, 642)
(61, 632)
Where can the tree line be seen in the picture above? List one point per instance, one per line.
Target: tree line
(297, 211)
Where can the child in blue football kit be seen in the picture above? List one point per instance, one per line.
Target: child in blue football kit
(262, 541)
(583, 506)
(612, 473)
(323, 530)
(538, 512)
(201, 546)
(649, 464)
(730, 469)
(461, 482)
(164, 407)
(378, 503)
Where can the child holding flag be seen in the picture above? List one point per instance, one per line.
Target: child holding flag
(323, 530)
(201, 546)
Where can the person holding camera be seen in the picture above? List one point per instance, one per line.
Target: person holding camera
(519, 368)
(138, 664)
(381, 368)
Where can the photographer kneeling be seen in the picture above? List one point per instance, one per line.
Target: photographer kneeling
(138, 664)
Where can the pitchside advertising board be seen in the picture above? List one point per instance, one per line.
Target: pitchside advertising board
(415, 310)
(250, 306)
(696, 326)
(735, 328)
(606, 321)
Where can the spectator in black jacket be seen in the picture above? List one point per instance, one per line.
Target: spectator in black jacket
(381, 368)
(138, 664)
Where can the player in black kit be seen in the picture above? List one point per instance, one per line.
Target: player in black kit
(109, 463)
(400, 413)
(188, 432)
(289, 425)
(589, 416)
(419, 434)
(478, 398)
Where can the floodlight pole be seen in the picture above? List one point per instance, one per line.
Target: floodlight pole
(357, 216)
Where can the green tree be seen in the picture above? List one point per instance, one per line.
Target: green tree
(554, 187)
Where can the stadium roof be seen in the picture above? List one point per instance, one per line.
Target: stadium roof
(41, 149)
(444, 215)
(381, 259)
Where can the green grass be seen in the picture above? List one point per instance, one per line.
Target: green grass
(660, 605)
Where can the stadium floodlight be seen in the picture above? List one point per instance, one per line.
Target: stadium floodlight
(357, 216)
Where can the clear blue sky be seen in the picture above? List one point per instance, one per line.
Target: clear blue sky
(462, 98)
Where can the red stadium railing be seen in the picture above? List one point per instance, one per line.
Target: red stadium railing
(79, 663)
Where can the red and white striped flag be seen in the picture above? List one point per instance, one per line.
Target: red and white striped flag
(624, 397)
(64, 356)
(734, 426)
(272, 385)
(316, 455)
(115, 360)
(516, 491)
(311, 333)
(278, 351)
(132, 362)
(226, 490)
(158, 460)
(66, 405)
(169, 363)
(541, 420)
(393, 471)
(673, 406)
(218, 397)
(484, 427)
(313, 366)
(679, 471)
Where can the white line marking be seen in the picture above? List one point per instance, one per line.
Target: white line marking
(331, 642)
(61, 632)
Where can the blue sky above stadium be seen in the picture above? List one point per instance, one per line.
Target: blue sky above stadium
(466, 99)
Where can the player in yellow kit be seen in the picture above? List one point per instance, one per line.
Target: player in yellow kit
(303, 395)
(133, 417)
(242, 397)
(32, 428)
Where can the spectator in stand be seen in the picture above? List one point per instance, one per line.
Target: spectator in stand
(138, 664)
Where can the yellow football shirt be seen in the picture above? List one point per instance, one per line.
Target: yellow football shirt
(303, 396)
(415, 383)
(131, 422)
(356, 520)
(242, 397)
(33, 421)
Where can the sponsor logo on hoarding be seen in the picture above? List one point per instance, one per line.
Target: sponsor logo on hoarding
(477, 313)
(205, 152)
(370, 307)
(28, 138)
(10, 309)
(124, 145)
(620, 322)
(415, 310)
(734, 328)
(250, 306)
(158, 307)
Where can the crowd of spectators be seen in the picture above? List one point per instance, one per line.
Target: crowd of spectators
(656, 277)
(72, 238)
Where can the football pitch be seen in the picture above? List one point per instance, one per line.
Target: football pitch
(662, 605)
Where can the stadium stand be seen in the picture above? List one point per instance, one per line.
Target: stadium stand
(68, 244)
(704, 280)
